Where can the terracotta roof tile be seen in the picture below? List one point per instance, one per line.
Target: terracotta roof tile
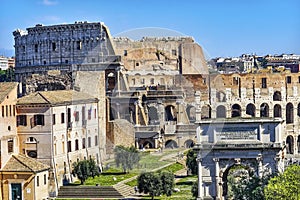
(5, 89)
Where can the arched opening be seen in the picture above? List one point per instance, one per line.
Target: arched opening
(250, 110)
(148, 145)
(277, 111)
(290, 145)
(191, 112)
(153, 116)
(277, 96)
(221, 112)
(232, 176)
(189, 144)
(205, 112)
(170, 113)
(171, 144)
(31, 147)
(221, 97)
(289, 113)
(235, 110)
(298, 110)
(264, 110)
(110, 80)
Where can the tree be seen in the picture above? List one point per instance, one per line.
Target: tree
(191, 162)
(126, 157)
(284, 186)
(85, 169)
(156, 184)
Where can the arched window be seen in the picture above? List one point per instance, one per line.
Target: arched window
(221, 112)
(289, 144)
(289, 113)
(236, 110)
(153, 115)
(205, 112)
(170, 113)
(277, 111)
(191, 112)
(250, 110)
(277, 96)
(221, 97)
(264, 110)
(30, 140)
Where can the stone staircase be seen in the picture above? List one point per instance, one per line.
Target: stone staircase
(103, 192)
(124, 190)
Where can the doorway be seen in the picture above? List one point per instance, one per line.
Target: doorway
(16, 191)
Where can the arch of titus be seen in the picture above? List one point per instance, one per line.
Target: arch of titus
(224, 143)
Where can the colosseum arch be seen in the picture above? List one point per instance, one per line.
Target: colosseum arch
(191, 112)
(153, 115)
(148, 144)
(289, 113)
(206, 112)
(189, 143)
(277, 111)
(264, 110)
(236, 110)
(250, 109)
(221, 96)
(277, 96)
(221, 111)
(290, 144)
(170, 113)
(171, 144)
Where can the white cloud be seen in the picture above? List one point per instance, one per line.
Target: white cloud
(49, 2)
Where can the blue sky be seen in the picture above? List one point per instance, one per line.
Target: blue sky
(221, 27)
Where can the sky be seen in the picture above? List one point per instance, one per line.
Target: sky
(222, 27)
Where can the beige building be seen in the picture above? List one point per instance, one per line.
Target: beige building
(59, 128)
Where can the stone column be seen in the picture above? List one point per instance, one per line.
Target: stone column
(260, 165)
(136, 113)
(217, 173)
(200, 187)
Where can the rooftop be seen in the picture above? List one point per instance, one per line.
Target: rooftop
(57, 97)
(21, 163)
(5, 89)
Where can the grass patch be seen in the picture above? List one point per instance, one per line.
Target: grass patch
(172, 168)
(108, 179)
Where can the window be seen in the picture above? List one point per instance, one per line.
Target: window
(63, 146)
(45, 179)
(69, 146)
(125, 52)
(288, 79)
(96, 140)
(137, 64)
(90, 114)
(93, 60)
(95, 113)
(62, 117)
(152, 81)
(66, 61)
(78, 45)
(37, 120)
(298, 79)
(264, 82)
(76, 115)
(53, 119)
(21, 120)
(6, 110)
(14, 110)
(174, 52)
(37, 181)
(45, 62)
(142, 81)
(83, 143)
(10, 145)
(133, 81)
(235, 80)
(31, 140)
(53, 46)
(89, 142)
(76, 145)
(10, 111)
(2, 111)
(36, 48)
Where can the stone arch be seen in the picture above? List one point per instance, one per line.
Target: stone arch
(264, 110)
(171, 144)
(237, 166)
(221, 96)
(221, 111)
(277, 96)
(189, 143)
(277, 111)
(206, 112)
(289, 113)
(290, 144)
(250, 109)
(170, 113)
(236, 110)
(191, 112)
(153, 115)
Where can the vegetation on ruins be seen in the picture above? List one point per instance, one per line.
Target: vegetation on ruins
(7, 75)
(191, 161)
(126, 157)
(156, 184)
(284, 186)
(85, 169)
